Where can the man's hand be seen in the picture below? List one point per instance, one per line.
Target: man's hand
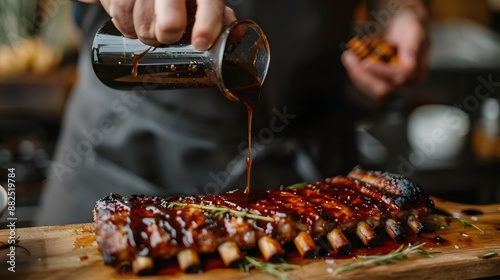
(377, 79)
(157, 22)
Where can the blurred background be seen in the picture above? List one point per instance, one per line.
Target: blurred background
(38, 51)
(458, 160)
(445, 133)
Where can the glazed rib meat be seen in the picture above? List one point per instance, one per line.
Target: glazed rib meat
(139, 229)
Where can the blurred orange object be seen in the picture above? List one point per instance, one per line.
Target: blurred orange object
(30, 55)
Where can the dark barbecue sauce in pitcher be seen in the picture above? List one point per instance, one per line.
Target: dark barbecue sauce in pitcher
(244, 84)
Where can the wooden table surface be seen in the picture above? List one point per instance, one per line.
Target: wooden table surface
(70, 252)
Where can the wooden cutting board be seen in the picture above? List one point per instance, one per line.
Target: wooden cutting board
(70, 252)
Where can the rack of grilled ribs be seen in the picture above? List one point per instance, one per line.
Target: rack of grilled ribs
(138, 229)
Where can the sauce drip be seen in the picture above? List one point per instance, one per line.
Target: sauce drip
(249, 151)
(246, 86)
(138, 58)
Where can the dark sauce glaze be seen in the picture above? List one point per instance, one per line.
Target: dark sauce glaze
(335, 204)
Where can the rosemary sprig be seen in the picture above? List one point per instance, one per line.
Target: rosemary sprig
(222, 210)
(464, 223)
(275, 269)
(467, 224)
(488, 255)
(395, 256)
(6, 245)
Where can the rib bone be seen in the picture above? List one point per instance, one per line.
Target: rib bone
(394, 230)
(230, 253)
(270, 248)
(339, 242)
(414, 224)
(189, 261)
(366, 234)
(305, 245)
(142, 265)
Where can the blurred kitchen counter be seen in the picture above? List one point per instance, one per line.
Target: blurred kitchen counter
(31, 107)
(36, 96)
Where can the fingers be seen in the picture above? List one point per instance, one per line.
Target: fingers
(171, 20)
(145, 25)
(121, 13)
(229, 16)
(396, 74)
(374, 79)
(208, 24)
(153, 22)
(157, 22)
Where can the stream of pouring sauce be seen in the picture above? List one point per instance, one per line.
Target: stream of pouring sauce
(250, 109)
(244, 84)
